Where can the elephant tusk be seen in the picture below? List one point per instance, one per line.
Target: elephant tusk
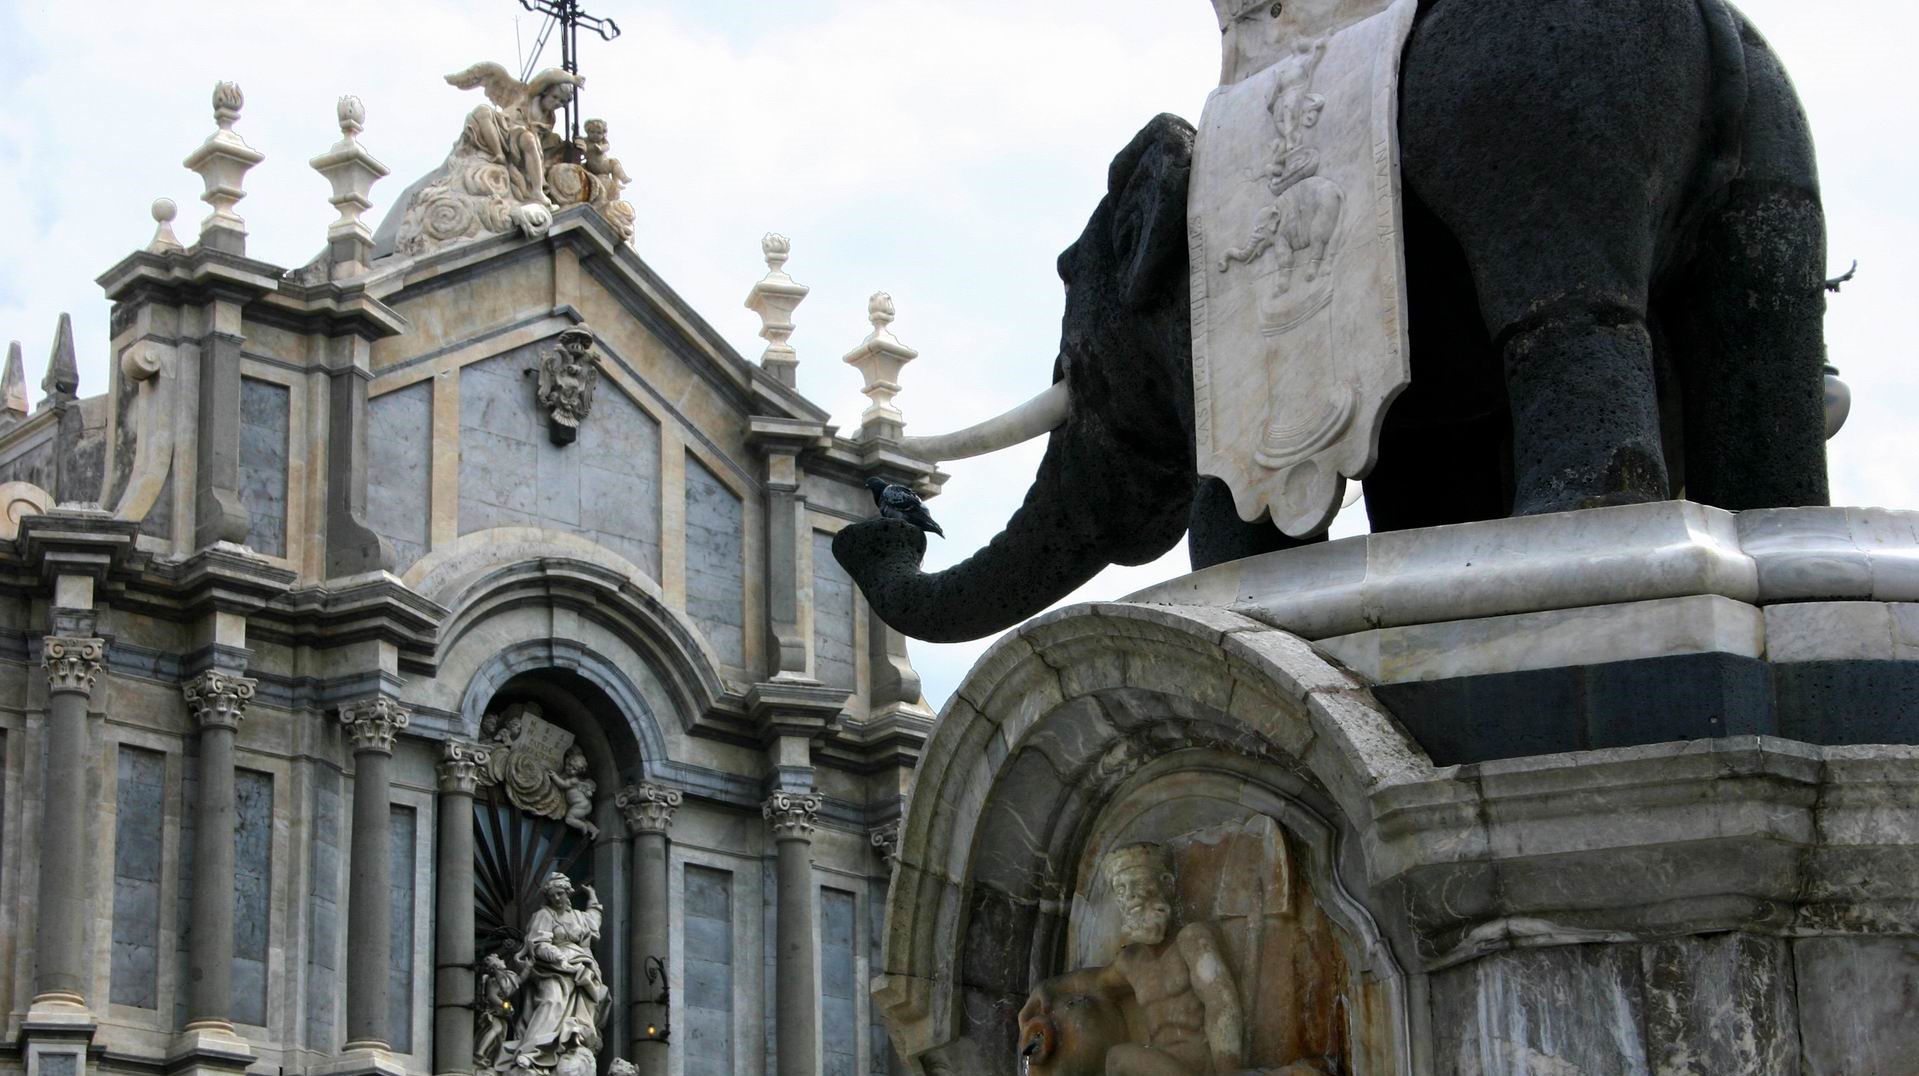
(1040, 415)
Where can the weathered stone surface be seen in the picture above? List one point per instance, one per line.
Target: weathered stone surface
(1856, 1003)
(139, 814)
(265, 417)
(400, 469)
(715, 565)
(833, 655)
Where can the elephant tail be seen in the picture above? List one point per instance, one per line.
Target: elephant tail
(1723, 156)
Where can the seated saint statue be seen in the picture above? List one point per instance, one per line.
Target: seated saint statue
(566, 1000)
(1180, 986)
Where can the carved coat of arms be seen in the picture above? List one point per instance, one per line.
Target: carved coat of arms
(1298, 276)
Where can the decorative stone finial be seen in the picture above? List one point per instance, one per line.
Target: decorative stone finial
(13, 386)
(774, 299)
(879, 359)
(352, 113)
(164, 241)
(222, 161)
(62, 383)
(352, 171)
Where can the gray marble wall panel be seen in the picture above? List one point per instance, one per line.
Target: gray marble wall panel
(139, 813)
(604, 487)
(323, 912)
(705, 1019)
(715, 564)
(1857, 1004)
(399, 477)
(59, 1064)
(839, 983)
(833, 663)
(252, 892)
(882, 1059)
(402, 837)
(264, 423)
(1720, 1003)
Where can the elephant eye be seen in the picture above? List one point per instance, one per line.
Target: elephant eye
(1278, 6)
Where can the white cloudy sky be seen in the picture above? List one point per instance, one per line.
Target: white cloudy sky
(944, 152)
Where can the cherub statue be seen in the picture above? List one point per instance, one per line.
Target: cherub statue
(519, 132)
(594, 158)
(579, 789)
(494, 1004)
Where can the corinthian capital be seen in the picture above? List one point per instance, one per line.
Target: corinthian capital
(791, 814)
(460, 765)
(373, 722)
(217, 699)
(647, 808)
(72, 664)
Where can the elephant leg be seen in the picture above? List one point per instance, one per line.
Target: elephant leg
(1752, 352)
(1751, 317)
(1217, 534)
(1547, 192)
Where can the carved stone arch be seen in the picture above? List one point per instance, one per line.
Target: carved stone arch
(647, 743)
(1055, 721)
(491, 572)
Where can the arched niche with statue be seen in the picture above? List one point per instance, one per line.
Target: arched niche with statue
(1133, 848)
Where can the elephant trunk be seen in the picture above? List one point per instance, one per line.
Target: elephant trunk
(1060, 538)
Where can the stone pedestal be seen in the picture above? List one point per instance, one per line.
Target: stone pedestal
(1631, 790)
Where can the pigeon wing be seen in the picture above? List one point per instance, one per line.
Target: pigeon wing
(501, 87)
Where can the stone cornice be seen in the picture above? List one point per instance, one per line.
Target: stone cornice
(218, 699)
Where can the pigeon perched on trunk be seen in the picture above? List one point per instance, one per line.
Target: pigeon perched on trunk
(898, 502)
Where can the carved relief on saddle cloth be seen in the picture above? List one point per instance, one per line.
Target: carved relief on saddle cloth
(1299, 339)
(537, 767)
(1200, 953)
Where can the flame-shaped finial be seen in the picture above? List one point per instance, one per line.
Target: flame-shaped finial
(879, 309)
(352, 114)
(227, 102)
(776, 247)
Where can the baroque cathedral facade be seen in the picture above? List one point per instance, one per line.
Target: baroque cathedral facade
(431, 659)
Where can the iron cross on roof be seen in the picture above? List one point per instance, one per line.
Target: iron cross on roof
(566, 15)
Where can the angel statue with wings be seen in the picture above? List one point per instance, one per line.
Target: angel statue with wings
(519, 133)
(495, 178)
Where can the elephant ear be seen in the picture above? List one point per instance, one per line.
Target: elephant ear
(1147, 189)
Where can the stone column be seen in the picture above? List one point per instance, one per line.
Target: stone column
(648, 810)
(372, 724)
(60, 956)
(217, 700)
(796, 987)
(453, 976)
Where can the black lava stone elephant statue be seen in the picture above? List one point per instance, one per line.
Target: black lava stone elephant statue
(1615, 257)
